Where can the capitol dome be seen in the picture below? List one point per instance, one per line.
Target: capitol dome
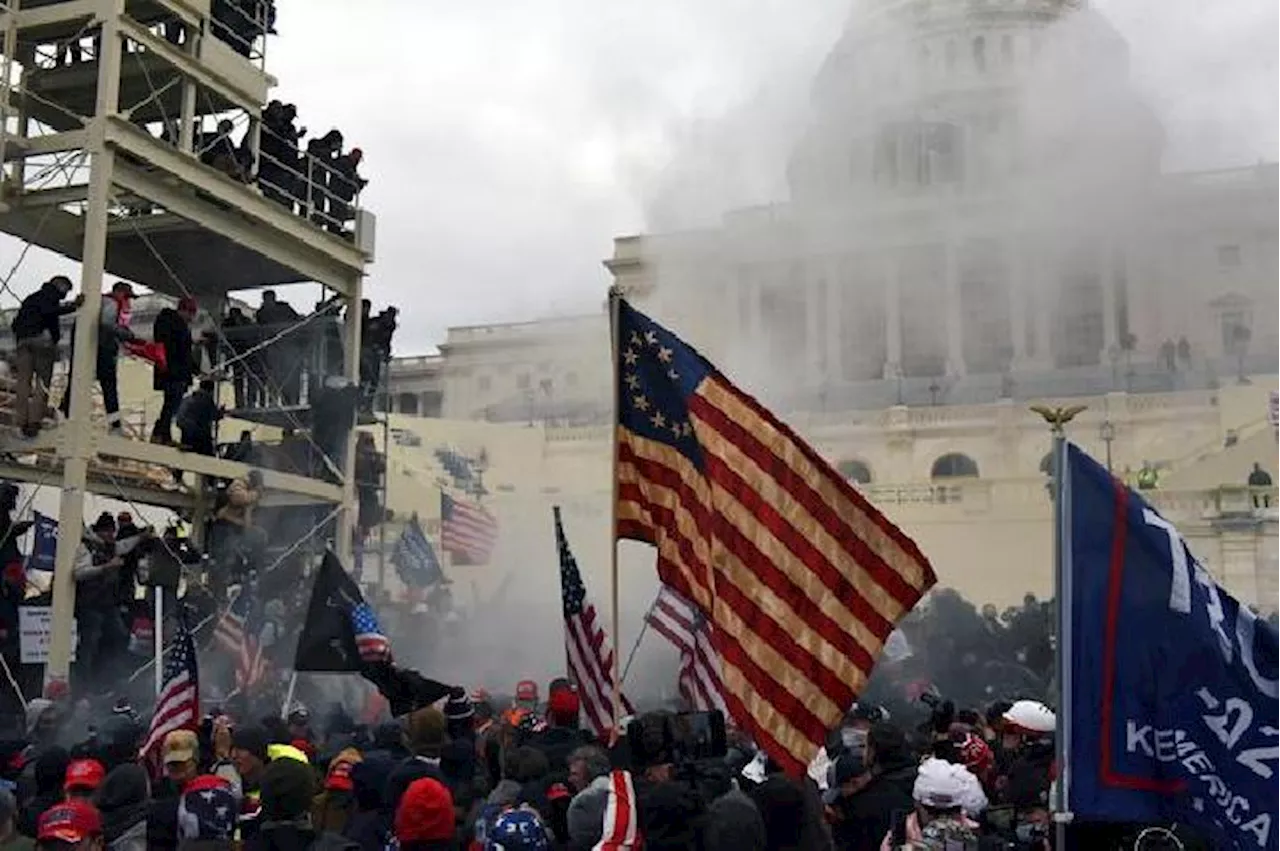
(972, 95)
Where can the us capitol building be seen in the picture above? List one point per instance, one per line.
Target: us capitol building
(951, 252)
(977, 221)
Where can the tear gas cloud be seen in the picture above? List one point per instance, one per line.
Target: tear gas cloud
(1095, 122)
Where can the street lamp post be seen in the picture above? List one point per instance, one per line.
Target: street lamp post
(1107, 431)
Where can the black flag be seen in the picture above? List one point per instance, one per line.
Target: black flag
(328, 638)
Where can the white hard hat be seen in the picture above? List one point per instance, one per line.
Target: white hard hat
(1030, 717)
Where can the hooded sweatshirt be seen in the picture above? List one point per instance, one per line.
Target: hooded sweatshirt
(733, 824)
(123, 802)
(50, 773)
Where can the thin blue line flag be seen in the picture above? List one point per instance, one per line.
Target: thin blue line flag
(1173, 698)
(415, 558)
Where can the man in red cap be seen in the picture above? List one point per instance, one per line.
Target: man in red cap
(172, 329)
(74, 824)
(84, 776)
(562, 735)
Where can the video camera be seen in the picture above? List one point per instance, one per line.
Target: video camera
(680, 738)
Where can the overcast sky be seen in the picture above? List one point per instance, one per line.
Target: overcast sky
(508, 141)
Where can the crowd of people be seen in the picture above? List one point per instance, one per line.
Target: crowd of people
(269, 358)
(430, 766)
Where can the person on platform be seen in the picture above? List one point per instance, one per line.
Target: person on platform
(236, 535)
(102, 631)
(283, 377)
(344, 184)
(322, 154)
(239, 337)
(111, 333)
(37, 328)
(172, 329)
(197, 419)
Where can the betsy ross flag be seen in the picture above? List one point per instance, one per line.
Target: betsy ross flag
(341, 632)
(679, 621)
(178, 706)
(239, 632)
(800, 578)
(467, 530)
(587, 648)
(415, 558)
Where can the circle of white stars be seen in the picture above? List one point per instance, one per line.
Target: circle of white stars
(636, 345)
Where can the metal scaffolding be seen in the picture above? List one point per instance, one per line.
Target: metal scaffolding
(141, 82)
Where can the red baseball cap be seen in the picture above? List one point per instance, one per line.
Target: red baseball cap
(70, 821)
(527, 690)
(84, 774)
(563, 705)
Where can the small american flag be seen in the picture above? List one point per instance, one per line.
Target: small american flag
(679, 621)
(467, 531)
(239, 633)
(372, 644)
(178, 706)
(587, 648)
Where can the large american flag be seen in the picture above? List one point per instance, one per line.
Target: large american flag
(679, 621)
(467, 530)
(800, 577)
(178, 706)
(239, 632)
(586, 646)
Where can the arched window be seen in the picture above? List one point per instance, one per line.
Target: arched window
(954, 465)
(408, 404)
(980, 53)
(855, 471)
(1006, 49)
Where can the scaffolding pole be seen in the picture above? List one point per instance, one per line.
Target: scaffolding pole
(78, 428)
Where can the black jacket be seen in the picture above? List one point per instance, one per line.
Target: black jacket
(557, 743)
(41, 312)
(868, 815)
(173, 332)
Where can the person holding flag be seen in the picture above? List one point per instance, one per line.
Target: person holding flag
(342, 635)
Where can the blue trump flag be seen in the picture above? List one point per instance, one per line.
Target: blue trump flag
(44, 544)
(415, 558)
(1173, 696)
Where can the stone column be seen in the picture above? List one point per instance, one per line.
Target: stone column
(1042, 300)
(1110, 336)
(891, 283)
(1016, 283)
(837, 292)
(812, 286)
(955, 324)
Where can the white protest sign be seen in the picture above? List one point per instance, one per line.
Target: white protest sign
(35, 629)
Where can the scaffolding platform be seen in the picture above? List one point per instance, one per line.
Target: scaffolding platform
(116, 155)
(290, 416)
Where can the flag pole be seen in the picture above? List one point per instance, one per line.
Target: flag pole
(644, 628)
(615, 303)
(157, 638)
(288, 697)
(1057, 418)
